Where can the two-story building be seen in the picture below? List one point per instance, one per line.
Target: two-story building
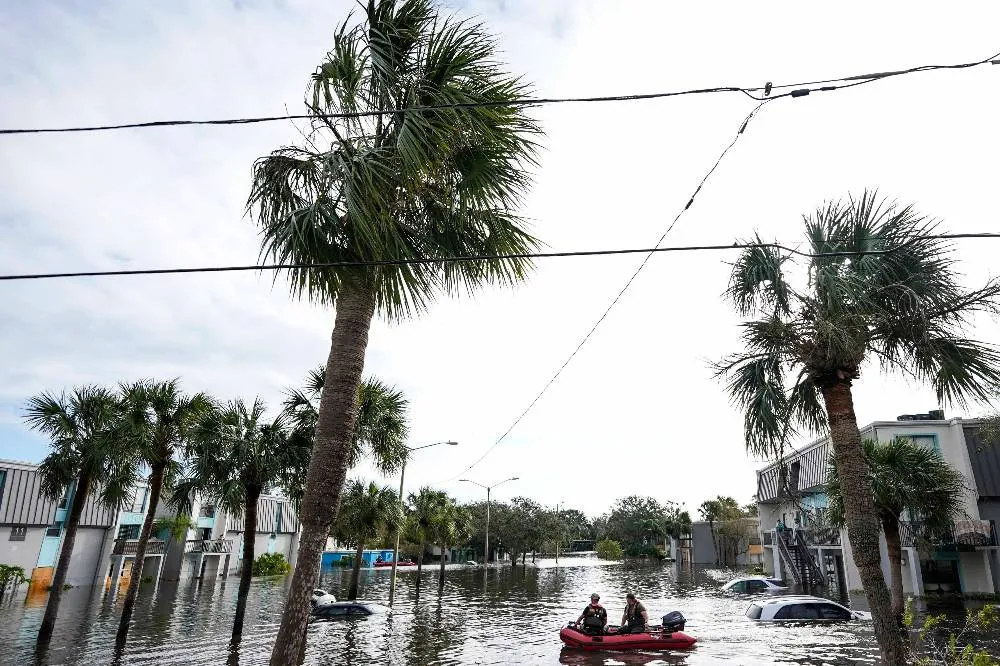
(32, 531)
(791, 494)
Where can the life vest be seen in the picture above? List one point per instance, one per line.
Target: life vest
(594, 617)
(633, 614)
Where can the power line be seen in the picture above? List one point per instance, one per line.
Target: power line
(616, 299)
(796, 90)
(485, 257)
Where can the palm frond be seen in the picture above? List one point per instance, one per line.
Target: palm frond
(415, 185)
(757, 282)
(755, 382)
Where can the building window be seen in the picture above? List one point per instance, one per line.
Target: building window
(206, 511)
(926, 441)
(128, 532)
(3, 480)
(18, 533)
(54, 530)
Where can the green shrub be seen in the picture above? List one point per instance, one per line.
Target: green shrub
(10, 578)
(608, 549)
(271, 564)
(954, 651)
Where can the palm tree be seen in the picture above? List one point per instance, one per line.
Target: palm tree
(451, 525)
(159, 419)
(86, 455)
(380, 428)
(236, 454)
(878, 289)
(366, 512)
(414, 186)
(425, 507)
(904, 477)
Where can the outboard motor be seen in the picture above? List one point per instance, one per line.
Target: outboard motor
(673, 621)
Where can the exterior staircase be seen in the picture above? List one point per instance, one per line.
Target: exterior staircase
(796, 559)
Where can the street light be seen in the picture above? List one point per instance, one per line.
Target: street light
(486, 542)
(402, 475)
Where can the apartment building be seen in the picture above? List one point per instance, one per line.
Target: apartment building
(32, 531)
(791, 493)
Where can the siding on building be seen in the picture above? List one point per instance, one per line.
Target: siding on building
(23, 502)
(985, 461)
(774, 481)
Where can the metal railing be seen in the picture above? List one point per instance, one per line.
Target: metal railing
(209, 546)
(963, 533)
(130, 546)
(820, 536)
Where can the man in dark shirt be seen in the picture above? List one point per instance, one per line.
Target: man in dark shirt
(593, 618)
(635, 620)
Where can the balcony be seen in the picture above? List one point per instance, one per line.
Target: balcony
(129, 547)
(209, 546)
(964, 535)
(820, 536)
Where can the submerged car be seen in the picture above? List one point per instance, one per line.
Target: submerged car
(755, 585)
(345, 609)
(321, 597)
(802, 609)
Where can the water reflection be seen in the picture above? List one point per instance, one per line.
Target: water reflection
(513, 616)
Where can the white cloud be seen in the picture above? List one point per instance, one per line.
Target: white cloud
(637, 411)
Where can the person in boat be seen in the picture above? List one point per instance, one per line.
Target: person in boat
(594, 618)
(635, 619)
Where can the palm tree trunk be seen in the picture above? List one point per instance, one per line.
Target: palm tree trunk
(441, 572)
(65, 555)
(861, 517)
(352, 592)
(338, 410)
(155, 488)
(246, 573)
(890, 525)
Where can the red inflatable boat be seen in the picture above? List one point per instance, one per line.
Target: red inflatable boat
(654, 640)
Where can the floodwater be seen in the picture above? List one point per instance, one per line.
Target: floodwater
(513, 617)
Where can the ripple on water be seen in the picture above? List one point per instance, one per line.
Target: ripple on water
(513, 617)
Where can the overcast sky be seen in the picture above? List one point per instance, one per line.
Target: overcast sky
(637, 411)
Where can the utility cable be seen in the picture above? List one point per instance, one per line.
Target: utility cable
(797, 90)
(614, 302)
(483, 257)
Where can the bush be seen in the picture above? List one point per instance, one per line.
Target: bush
(608, 549)
(953, 651)
(271, 564)
(10, 578)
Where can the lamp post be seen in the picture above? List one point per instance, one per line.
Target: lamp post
(395, 551)
(486, 542)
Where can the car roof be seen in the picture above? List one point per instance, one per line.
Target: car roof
(796, 599)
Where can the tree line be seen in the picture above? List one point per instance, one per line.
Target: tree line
(104, 441)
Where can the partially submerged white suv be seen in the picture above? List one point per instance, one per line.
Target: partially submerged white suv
(802, 609)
